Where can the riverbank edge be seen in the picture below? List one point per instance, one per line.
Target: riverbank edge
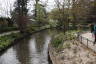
(53, 53)
(20, 38)
(52, 57)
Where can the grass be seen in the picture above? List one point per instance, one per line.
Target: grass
(7, 40)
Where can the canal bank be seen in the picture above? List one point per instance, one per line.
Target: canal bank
(75, 53)
(66, 50)
(16, 38)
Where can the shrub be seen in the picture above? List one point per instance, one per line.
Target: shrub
(57, 40)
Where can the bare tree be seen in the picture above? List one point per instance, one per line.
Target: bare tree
(63, 6)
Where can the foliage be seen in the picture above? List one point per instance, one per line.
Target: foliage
(92, 12)
(6, 22)
(5, 29)
(19, 15)
(53, 14)
(70, 34)
(40, 14)
(66, 45)
(59, 39)
(52, 23)
(58, 16)
(22, 7)
(75, 12)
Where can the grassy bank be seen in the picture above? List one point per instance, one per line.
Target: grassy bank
(7, 40)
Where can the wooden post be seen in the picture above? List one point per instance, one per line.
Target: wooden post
(81, 39)
(78, 35)
(87, 42)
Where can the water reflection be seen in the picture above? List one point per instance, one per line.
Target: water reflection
(31, 50)
(44, 52)
(9, 57)
(22, 51)
(40, 40)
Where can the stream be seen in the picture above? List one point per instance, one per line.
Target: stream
(31, 50)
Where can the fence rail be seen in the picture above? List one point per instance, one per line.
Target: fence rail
(89, 43)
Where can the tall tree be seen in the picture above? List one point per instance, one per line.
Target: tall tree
(92, 12)
(40, 14)
(21, 9)
(80, 10)
(63, 7)
(36, 5)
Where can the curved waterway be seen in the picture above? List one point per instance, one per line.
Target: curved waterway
(31, 50)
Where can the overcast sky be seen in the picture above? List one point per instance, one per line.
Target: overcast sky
(5, 6)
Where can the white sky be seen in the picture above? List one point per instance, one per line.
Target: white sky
(5, 6)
